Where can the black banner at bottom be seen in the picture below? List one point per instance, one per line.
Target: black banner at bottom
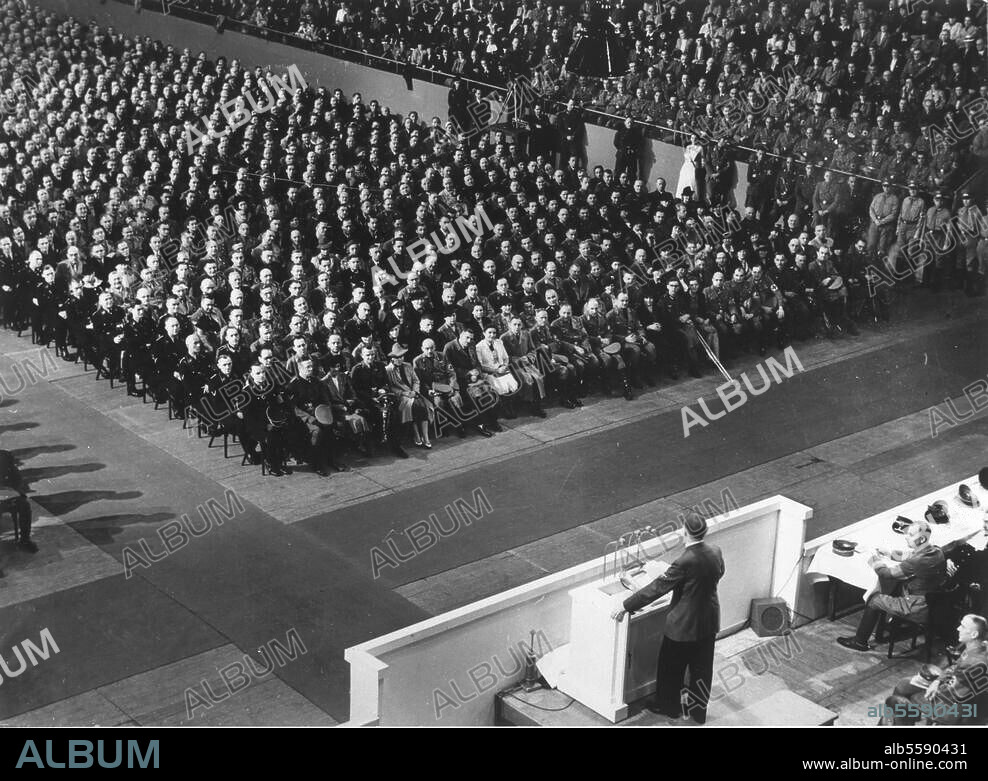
(817, 751)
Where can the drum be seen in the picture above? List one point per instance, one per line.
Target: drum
(324, 414)
(442, 388)
(613, 348)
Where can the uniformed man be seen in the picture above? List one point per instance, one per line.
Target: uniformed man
(438, 383)
(826, 201)
(319, 444)
(638, 352)
(909, 215)
(970, 223)
(194, 370)
(934, 235)
(883, 211)
(372, 390)
(107, 326)
(166, 353)
(259, 396)
(599, 336)
(574, 342)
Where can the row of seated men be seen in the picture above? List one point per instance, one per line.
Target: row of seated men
(731, 304)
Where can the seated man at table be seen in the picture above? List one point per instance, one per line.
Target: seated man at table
(952, 695)
(919, 570)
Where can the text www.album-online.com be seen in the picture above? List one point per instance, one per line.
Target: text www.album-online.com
(903, 761)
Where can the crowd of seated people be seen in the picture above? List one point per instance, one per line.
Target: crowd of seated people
(325, 271)
(836, 69)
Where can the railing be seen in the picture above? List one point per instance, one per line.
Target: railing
(408, 70)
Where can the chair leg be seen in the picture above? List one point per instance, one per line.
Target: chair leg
(226, 445)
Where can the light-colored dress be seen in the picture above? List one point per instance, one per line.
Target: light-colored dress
(693, 159)
(492, 357)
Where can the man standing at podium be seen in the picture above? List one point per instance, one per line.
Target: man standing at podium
(692, 624)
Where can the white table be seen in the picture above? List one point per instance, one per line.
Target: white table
(876, 532)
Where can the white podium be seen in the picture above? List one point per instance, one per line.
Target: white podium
(609, 663)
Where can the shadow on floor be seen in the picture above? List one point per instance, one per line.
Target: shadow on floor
(24, 453)
(103, 529)
(67, 501)
(51, 472)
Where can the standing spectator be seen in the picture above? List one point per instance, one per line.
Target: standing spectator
(883, 211)
(628, 142)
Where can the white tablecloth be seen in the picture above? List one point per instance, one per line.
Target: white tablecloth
(965, 524)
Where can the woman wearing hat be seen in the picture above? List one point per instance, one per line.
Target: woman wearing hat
(412, 406)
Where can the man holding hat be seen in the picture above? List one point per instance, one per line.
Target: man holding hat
(691, 625)
(921, 568)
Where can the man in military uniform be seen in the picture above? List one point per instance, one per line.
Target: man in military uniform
(761, 181)
(720, 172)
(845, 159)
(784, 195)
(599, 336)
(218, 406)
(372, 389)
(723, 313)
(529, 367)
(921, 173)
(318, 442)
(628, 142)
(432, 371)
(699, 311)
(969, 222)
(677, 324)
(194, 370)
(574, 342)
(256, 428)
(571, 130)
(883, 211)
(107, 326)
(166, 352)
(139, 335)
(935, 236)
(874, 160)
(475, 390)
(833, 302)
(826, 201)
(638, 353)
(910, 215)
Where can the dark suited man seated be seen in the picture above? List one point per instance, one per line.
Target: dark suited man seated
(950, 696)
(914, 572)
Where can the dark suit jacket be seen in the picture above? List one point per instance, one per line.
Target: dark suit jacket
(692, 579)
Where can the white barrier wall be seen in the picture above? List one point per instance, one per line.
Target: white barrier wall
(448, 669)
